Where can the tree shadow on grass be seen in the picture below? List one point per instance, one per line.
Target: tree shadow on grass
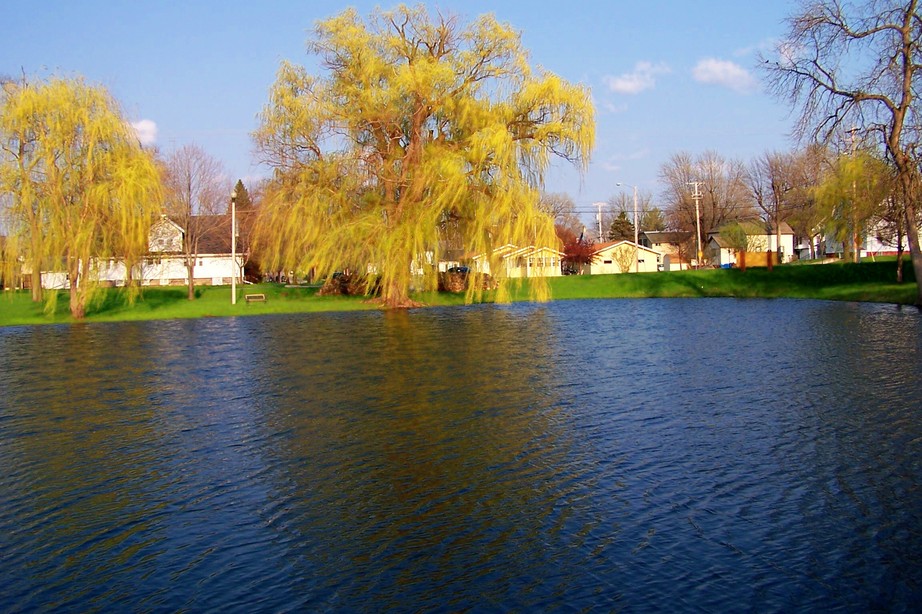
(116, 300)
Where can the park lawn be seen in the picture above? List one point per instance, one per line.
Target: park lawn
(866, 282)
(157, 303)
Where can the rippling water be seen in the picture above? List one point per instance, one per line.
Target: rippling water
(699, 455)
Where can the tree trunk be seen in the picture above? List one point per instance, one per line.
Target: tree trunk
(915, 250)
(856, 244)
(36, 283)
(190, 267)
(77, 298)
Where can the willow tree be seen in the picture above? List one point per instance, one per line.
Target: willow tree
(852, 192)
(419, 126)
(82, 191)
(23, 216)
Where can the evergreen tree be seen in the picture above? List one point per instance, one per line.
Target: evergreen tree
(621, 228)
(244, 202)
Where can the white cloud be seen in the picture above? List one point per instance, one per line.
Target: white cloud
(642, 78)
(146, 130)
(724, 73)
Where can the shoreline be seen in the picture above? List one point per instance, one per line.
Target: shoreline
(862, 282)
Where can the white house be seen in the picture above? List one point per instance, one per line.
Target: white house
(877, 241)
(619, 257)
(673, 245)
(165, 262)
(761, 238)
(519, 262)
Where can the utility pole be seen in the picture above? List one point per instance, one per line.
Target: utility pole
(599, 218)
(856, 244)
(234, 247)
(696, 195)
(636, 232)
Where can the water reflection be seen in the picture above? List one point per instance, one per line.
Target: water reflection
(645, 455)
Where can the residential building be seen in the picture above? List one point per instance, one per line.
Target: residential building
(165, 262)
(675, 246)
(618, 257)
(762, 238)
(519, 262)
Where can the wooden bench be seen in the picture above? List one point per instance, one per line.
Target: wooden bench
(255, 298)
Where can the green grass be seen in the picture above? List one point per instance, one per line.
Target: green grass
(867, 281)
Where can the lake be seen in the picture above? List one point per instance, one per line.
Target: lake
(617, 455)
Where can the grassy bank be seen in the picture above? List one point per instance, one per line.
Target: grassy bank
(868, 281)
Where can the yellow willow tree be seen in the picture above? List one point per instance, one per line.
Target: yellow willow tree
(853, 191)
(82, 191)
(23, 215)
(421, 128)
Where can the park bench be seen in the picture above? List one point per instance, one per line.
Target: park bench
(255, 298)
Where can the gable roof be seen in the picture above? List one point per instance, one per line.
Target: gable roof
(601, 247)
(510, 251)
(214, 233)
(757, 228)
(667, 236)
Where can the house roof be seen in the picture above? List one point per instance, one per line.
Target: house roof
(670, 236)
(759, 227)
(509, 250)
(214, 233)
(601, 247)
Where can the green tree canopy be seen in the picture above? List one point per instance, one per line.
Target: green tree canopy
(244, 202)
(852, 192)
(420, 124)
(80, 189)
(653, 220)
(621, 228)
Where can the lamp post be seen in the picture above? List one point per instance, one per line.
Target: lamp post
(636, 233)
(234, 247)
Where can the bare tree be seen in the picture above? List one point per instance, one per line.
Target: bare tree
(721, 183)
(197, 191)
(562, 208)
(649, 216)
(804, 215)
(771, 179)
(857, 66)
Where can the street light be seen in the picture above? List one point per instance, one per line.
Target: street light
(636, 230)
(233, 247)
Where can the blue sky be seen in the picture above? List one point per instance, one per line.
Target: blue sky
(666, 76)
